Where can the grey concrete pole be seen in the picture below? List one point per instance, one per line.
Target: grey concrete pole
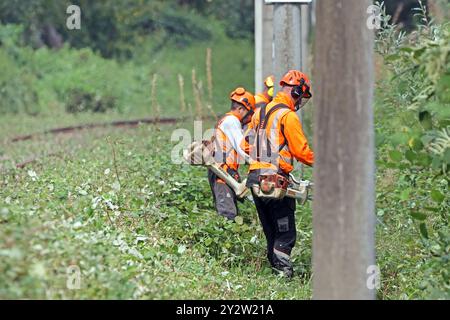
(263, 43)
(344, 169)
(258, 43)
(304, 23)
(287, 39)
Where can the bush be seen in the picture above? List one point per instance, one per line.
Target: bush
(17, 93)
(419, 147)
(80, 101)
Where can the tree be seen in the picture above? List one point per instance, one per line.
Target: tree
(343, 208)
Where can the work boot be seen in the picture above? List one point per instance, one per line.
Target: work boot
(282, 263)
(287, 272)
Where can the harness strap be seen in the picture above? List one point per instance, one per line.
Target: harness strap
(263, 121)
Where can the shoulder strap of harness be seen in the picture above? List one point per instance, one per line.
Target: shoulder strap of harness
(262, 125)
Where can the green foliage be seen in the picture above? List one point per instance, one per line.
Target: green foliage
(79, 101)
(149, 229)
(236, 15)
(419, 146)
(17, 92)
(49, 81)
(153, 235)
(118, 29)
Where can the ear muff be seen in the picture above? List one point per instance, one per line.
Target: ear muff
(307, 93)
(297, 91)
(247, 107)
(249, 114)
(269, 84)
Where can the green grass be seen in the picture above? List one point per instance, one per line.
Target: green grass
(129, 242)
(158, 236)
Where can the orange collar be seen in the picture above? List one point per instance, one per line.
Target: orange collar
(262, 97)
(283, 98)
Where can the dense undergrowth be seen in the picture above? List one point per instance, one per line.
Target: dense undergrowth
(154, 234)
(413, 140)
(113, 204)
(45, 81)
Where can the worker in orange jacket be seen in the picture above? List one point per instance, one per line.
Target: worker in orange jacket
(227, 150)
(265, 97)
(275, 138)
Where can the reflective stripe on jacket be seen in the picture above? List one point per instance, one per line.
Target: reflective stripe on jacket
(224, 152)
(280, 142)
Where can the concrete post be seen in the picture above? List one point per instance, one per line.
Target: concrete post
(344, 168)
(263, 43)
(287, 39)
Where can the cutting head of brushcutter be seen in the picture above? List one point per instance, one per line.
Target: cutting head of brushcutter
(199, 153)
(300, 189)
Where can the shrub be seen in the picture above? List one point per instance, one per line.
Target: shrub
(80, 101)
(17, 93)
(420, 144)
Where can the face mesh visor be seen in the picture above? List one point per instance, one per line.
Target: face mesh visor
(301, 103)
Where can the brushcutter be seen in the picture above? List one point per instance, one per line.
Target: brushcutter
(199, 153)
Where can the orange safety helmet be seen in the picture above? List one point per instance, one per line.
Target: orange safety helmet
(242, 96)
(269, 82)
(297, 78)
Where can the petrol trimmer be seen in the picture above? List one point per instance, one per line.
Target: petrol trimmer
(199, 154)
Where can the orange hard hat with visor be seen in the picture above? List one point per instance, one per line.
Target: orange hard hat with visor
(245, 98)
(301, 86)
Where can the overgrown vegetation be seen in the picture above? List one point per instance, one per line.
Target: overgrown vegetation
(118, 29)
(414, 141)
(48, 81)
(154, 234)
(112, 203)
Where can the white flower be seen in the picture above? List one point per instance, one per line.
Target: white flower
(107, 171)
(32, 175)
(77, 225)
(181, 249)
(140, 238)
(116, 186)
(81, 191)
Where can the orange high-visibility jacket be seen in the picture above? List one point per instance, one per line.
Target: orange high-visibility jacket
(285, 136)
(224, 152)
(261, 100)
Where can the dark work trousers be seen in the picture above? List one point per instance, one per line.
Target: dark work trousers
(225, 199)
(278, 222)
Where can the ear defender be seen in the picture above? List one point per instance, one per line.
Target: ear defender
(297, 91)
(269, 84)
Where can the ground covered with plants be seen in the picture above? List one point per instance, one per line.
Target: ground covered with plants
(111, 202)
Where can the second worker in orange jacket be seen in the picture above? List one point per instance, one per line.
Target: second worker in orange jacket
(273, 140)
